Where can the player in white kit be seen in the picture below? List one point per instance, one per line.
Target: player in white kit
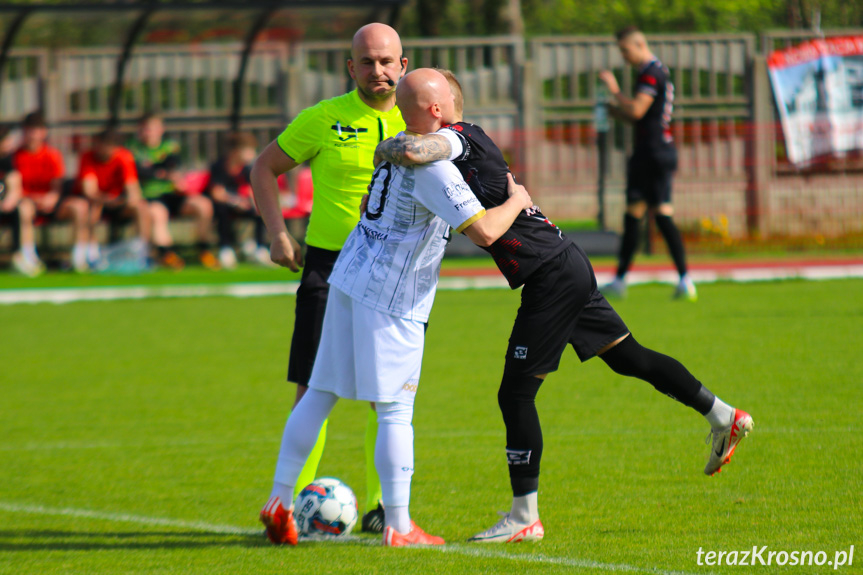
(374, 327)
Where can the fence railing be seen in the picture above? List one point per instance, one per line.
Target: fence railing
(535, 98)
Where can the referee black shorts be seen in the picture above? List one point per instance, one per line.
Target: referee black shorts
(648, 176)
(309, 317)
(560, 305)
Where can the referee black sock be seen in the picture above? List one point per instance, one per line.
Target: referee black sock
(664, 373)
(629, 243)
(675, 243)
(523, 432)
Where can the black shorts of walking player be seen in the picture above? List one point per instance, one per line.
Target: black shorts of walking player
(309, 316)
(649, 175)
(560, 305)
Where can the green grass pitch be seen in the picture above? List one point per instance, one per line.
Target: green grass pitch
(141, 436)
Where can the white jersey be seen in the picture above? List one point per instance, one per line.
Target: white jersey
(391, 260)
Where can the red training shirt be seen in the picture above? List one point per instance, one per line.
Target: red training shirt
(112, 175)
(38, 169)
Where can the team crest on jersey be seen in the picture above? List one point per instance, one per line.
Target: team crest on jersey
(346, 133)
(520, 352)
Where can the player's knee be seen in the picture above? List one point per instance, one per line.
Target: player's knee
(517, 389)
(394, 413)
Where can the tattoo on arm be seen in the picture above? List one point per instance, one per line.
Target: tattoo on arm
(408, 150)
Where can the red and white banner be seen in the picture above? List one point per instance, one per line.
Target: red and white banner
(818, 87)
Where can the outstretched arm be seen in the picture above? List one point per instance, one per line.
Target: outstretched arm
(407, 149)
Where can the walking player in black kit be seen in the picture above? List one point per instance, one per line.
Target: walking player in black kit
(653, 161)
(560, 305)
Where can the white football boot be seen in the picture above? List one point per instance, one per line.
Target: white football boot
(726, 440)
(616, 289)
(507, 530)
(686, 290)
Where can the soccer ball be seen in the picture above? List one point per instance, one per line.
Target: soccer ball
(326, 506)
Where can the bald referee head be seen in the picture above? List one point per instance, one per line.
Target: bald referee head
(376, 62)
(426, 101)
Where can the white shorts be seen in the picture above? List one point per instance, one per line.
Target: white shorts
(366, 354)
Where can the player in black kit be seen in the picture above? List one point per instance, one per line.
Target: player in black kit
(653, 161)
(560, 305)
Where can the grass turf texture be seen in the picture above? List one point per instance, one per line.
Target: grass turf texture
(174, 409)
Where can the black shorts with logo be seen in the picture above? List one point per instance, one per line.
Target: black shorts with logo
(560, 305)
(649, 175)
(309, 316)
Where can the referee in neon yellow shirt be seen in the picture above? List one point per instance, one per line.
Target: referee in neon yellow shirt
(338, 137)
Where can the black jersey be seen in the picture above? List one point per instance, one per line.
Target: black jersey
(653, 130)
(532, 239)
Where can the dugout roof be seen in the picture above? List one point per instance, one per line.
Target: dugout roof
(130, 23)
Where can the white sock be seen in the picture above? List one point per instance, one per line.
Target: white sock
(394, 460)
(720, 415)
(79, 254)
(525, 509)
(301, 433)
(29, 251)
(285, 492)
(93, 251)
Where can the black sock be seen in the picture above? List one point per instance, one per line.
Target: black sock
(163, 250)
(629, 243)
(664, 373)
(675, 242)
(202, 247)
(523, 432)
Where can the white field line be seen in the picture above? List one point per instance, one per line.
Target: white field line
(67, 295)
(458, 549)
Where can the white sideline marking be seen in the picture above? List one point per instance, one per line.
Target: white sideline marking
(459, 549)
(67, 295)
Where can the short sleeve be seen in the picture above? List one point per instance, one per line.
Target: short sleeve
(441, 188)
(647, 83)
(127, 165)
(86, 167)
(302, 139)
(456, 142)
(58, 170)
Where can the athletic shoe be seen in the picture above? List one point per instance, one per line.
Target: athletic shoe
(26, 266)
(726, 439)
(373, 521)
(507, 530)
(208, 260)
(280, 524)
(249, 247)
(686, 290)
(615, 289)
(79, 260)
(415, 536)
(227, 258)
(172, 261)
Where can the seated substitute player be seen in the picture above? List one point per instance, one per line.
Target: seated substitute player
(108, 179)
(158, 161)
(45, 197)
(10, 203)
(231, 192)
(653, 161)
(560, 305)
(383, 287)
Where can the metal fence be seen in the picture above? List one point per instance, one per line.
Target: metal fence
(535, 98)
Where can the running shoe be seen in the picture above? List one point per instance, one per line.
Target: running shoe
(507, 530)
(726, 440)
(415, 536)
(280, 524)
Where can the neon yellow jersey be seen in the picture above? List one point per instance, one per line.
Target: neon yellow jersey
(339, 137)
